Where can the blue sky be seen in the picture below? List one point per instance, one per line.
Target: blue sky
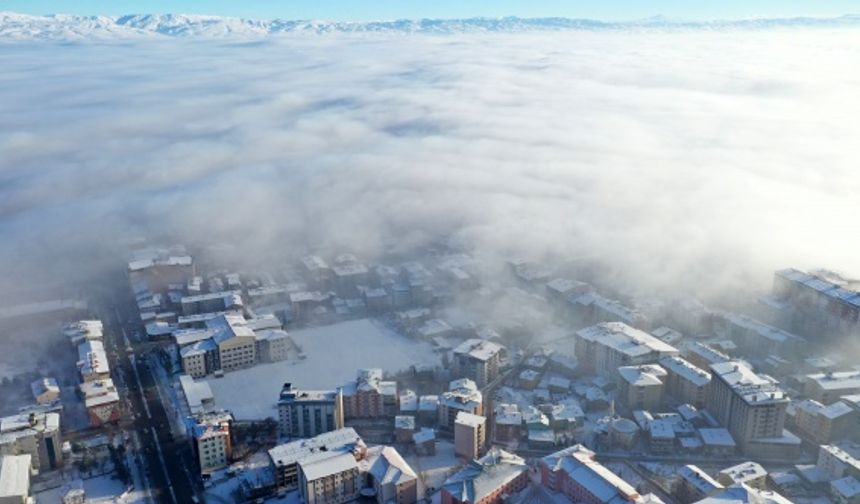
(389, 9)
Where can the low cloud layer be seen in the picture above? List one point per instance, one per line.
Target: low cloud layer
(689, 159)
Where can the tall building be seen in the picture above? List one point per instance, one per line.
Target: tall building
(749, 405)
(641, 387)
(478, 360)
(826, 297)
(34, 434)
(212, 441)
(309, 413)
(470, 435)
(488, 480)
(237, 343)
(463, 395)
(369, 396)
(685, 382)
(605, 347)
(285, 458)
(329, 479)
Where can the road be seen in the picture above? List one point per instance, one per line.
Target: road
(168, 461)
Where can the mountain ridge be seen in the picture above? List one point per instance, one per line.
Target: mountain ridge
(15, 26)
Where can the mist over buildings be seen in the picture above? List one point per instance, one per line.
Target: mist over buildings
(684, 160)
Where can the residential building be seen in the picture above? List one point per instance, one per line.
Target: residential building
(478, 360)
(827, 388)
(285, 458)
(84, 330)
(36, 434)
(822, 424)
(273, 345)
(309, 413)
(470, 435)
(507, 423)
(15, 479)
(488, 480)
(404, 428)
(830, 298)
(45, 390)
(237, 346)
(754, 337)
(641, 387)
(605, 347)
(701, 355)
(425, 442)
(744, 494)
(101, 400)
(391, 478)
(463, 395)
(161, 270)
(695, 484)
(574, 473)
(200, 358)
(369, 396)
(749, 405)
(835, 462)
(93, 361)
(685, 382)
(750, 474)
(211, 439)
(717, 442)
(329, 478)
(213, 302)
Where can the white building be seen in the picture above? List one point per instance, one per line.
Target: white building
(478, 360)
(309, 413)
(463, 395)
(35, 434)
(14, 479)
(212, 441)
(605, 347)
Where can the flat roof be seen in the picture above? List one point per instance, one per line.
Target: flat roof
(15, 475)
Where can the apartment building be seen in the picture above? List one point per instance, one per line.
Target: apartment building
(391, 478)
(831, 298)
(478, 359)
(101, 400)
(36, 434)
(463, 395)
(329, 478)
(695, 484)
(309, 413)
(284, 459)
(685, 382)
(822, 424)
(749, 405)
(369, 396)
(237, 345)
(488, 480)
(605, 347)
(212, 440)
(574, 473)
(470, 435)
(92, 361)
(641, 387)
(827, 388)
(701, 355)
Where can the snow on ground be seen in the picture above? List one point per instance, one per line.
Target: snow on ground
(99, 490)
(333, 354)
(434, 469)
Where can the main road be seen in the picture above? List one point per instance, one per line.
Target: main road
(169, 462)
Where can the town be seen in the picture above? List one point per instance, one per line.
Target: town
(435, 377)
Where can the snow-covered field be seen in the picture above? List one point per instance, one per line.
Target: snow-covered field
(333, 354)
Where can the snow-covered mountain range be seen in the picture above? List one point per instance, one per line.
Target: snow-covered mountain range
(14, 26)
